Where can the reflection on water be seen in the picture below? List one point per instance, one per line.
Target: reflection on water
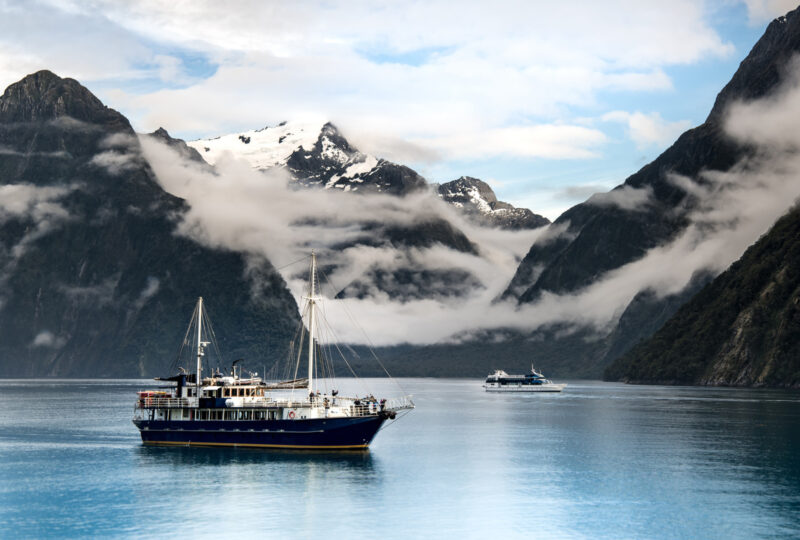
(223, 457)
(597, 461)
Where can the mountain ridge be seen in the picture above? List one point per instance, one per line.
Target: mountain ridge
(614, 236)
(743, 329)
(479, 203)
(90, 265)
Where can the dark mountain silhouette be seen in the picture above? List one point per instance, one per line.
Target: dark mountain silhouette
(94, 280)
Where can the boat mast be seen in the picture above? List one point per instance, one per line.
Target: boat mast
(199, 343)
(311, 302)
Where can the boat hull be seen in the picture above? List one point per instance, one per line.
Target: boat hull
(319, 433)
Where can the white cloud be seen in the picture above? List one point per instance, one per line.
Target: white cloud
(419, 72)
(48, 339)
(624, 197)
(647, 130)
(770, 123)
(34, 202)
(150, 289)
(546, 141)
(763, 10)
(39, 207)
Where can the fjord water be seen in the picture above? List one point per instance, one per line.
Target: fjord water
(596, 461)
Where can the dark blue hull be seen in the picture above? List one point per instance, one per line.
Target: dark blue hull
(322, 433)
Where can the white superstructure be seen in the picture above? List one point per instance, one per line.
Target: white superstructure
(500, 381)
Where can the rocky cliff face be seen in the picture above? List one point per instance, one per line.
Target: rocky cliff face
(743, 329)
(479, 203)
(95, 282)
(607, 231)
(183, 149)
(334, 164)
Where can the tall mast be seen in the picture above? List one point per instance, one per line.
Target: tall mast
(199, 343)
(311, 302)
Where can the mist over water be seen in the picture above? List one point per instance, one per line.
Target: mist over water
(597, 461)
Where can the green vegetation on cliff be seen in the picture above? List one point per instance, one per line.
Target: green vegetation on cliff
(742, 329)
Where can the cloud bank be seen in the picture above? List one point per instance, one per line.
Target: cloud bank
(262, 214)
(492, 81)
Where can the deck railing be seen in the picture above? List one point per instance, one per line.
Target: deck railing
(363, 408)
(163, 403)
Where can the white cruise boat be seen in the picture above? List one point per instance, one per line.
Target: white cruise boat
(500, 381)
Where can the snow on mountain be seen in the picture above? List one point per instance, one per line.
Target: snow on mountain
(316, 154)
(262, 148)
(478, 202)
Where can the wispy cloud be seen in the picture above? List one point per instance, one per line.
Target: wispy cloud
(648, 129)
(624, 197)
(476, 81)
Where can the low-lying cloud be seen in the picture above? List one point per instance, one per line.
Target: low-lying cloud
(263, 214)
(625, 197)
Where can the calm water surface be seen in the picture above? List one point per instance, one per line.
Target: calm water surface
(597, 461)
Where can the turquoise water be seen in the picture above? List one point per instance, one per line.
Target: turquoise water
(597, 461)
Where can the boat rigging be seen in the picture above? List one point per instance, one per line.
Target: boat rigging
(233, 410)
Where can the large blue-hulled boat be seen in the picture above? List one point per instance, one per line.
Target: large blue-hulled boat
(234, 410)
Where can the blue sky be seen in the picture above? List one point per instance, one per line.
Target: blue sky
(547, 103)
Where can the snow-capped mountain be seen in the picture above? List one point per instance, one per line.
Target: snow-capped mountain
(478, 202)
(316, 154)
(262, 148)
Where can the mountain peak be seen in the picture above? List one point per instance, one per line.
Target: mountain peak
(44, 96)
(765, 66)
(178, 145)
(478, 201)
(468, 183)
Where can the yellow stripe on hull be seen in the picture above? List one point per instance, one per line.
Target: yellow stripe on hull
(290, 446)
